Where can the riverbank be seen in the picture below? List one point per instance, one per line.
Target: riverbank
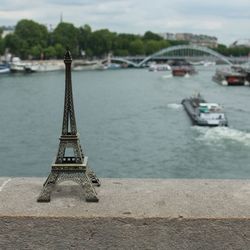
(131, 214)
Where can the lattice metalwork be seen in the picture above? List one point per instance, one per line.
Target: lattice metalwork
(56, 177)
(186, 51)
(70, 167)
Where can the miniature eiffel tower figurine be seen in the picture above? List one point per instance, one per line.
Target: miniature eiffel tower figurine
(73, 167)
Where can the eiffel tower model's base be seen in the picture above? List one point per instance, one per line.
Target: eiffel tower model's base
(79, 173)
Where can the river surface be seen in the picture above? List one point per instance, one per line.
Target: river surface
(131, 124)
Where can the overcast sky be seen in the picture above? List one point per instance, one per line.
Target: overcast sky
(228, 20)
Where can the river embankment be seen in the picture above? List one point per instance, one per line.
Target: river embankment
(131, 214)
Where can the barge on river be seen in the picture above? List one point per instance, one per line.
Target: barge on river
(203, 113)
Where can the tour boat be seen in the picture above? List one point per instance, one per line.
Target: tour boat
(203, 113)
(183, 70)
(230, 76)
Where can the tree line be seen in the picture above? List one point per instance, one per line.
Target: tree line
(33, 40)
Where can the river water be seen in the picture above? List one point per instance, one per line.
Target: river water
(130, 121)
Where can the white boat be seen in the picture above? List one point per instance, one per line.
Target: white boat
(203, 63)
(113, 66)
(208, 64)
(17, 65)
(45, 66)
(88, 65)
(4, 68)
(159, 67)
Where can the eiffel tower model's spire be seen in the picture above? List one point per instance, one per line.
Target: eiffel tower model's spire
(69, 120)
(70, 167)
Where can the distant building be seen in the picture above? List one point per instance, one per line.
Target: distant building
(201, 40)
(7, 30)
(183, 36)
(241, 43)
(167, 36)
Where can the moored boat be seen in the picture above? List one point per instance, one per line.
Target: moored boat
(245, 70)
(112, 66)
(88, 65)
(4, 68)
(16, 65)
(230, 76)
(45, 66)
(203, 113)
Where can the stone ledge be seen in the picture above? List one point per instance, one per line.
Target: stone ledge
(130, 198)
(131, 214)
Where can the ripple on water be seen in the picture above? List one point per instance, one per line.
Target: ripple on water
(175, 106)
(167, 76)
(220, 134)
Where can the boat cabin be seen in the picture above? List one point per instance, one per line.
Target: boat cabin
(211, 111)
(209, 107)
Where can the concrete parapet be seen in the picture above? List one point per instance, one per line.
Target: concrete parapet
(131, 214)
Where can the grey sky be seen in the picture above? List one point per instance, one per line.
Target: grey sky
(228, 20)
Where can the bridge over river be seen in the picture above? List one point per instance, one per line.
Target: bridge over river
(192, 53)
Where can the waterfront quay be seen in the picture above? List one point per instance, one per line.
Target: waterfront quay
(131, 214)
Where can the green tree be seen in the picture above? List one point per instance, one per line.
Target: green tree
(1, 32)
(84, 39)
(238, 51)
(120, 52)
(59, 50)
(50, 52)
(66, 34)
(151, 46)
(124, 40)
(1, 46)
(222, 49)
(164, 44)
(101, 42)
(136, 48)
(34, 34)
(176, 42)
(152, 36)
(1, 41)
(14, 44)
(36, 51)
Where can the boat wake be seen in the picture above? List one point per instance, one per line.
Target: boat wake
(175, 106)
(221, 134)
(167, 76)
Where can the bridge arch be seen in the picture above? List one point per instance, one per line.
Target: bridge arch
(122, 60)
(186, 47)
